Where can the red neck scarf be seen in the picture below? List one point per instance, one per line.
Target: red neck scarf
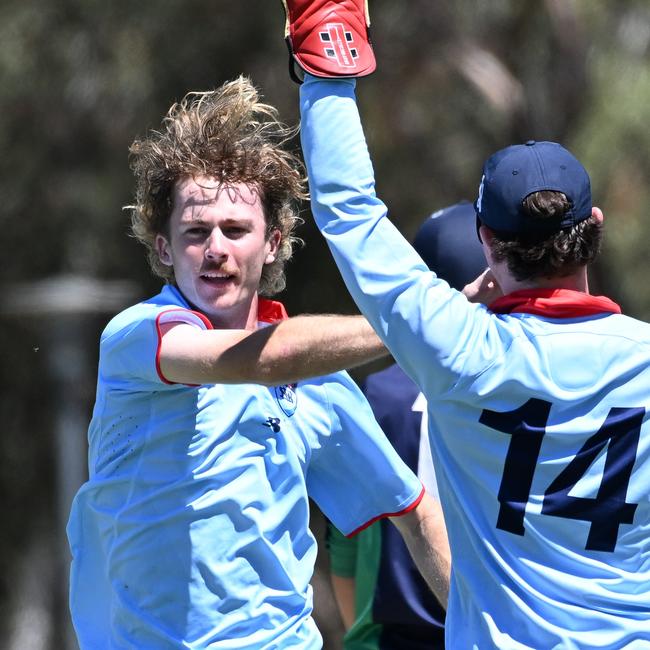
(270, 311)
(554, 303)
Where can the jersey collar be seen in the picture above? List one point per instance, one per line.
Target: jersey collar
(554, 303)
(270, 311)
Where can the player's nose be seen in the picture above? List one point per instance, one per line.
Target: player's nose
(215, 245)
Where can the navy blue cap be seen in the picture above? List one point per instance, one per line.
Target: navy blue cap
(513, 173)
(447, 243)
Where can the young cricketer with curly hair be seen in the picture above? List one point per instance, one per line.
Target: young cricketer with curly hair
(231, 137)
(192, 530)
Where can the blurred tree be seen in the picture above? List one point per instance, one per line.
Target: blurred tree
(456, 81)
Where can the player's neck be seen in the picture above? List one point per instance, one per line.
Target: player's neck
(238, 317)
(575, 282)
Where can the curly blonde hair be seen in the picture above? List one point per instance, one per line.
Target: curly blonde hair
(230, 135)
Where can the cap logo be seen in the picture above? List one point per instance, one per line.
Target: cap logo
(480, 194)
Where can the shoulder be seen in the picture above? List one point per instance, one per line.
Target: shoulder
(129, 317)
(130, 343)
(629, 326)
(148, 314)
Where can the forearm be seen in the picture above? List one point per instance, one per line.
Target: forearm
(425, 535)
(433, 561)
(301, 347)
(344, 592)
(294, 349)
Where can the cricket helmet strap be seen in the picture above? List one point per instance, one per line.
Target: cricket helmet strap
(328, 38)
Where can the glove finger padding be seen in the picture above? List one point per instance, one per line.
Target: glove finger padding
(329, 38)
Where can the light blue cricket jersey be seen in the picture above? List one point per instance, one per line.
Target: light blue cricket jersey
(538, 425)
(192, 530)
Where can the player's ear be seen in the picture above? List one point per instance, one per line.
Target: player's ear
(272, 246)
(597, 214)
(485, 235)
(163, 249)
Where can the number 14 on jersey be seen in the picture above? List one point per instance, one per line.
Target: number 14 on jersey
(607, 510)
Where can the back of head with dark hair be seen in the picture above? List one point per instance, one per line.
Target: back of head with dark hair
(546, 255)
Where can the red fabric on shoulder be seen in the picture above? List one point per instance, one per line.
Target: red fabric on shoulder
(270, 311)
(554, 303)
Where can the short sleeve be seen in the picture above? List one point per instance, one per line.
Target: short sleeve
(357, 477)
(130, 344)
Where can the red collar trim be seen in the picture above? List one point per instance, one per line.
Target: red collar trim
(270, 311)
(554, 303)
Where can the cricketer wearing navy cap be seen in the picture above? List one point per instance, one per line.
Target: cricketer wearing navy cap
(514, 173)
(538, 405)
(534, 201)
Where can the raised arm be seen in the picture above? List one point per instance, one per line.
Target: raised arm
(297, 348)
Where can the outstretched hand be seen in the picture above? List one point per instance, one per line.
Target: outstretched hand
(484, 289)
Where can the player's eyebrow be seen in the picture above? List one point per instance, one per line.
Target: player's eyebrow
(226, 221)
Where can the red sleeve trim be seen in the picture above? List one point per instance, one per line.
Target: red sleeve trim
(183, 317)
(389, 514)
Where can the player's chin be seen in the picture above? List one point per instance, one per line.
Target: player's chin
(218, 290)
(229, 298)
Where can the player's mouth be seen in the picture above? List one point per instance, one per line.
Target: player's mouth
(217, 278)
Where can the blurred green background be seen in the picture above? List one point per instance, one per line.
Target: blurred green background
(80, 79)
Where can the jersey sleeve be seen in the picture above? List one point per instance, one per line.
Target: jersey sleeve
(130, 345)
(342, 552)
(357, 477)
(434, 333)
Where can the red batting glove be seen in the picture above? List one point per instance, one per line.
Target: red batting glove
(329, 38)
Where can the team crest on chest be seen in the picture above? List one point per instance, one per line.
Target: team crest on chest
(287, 398)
